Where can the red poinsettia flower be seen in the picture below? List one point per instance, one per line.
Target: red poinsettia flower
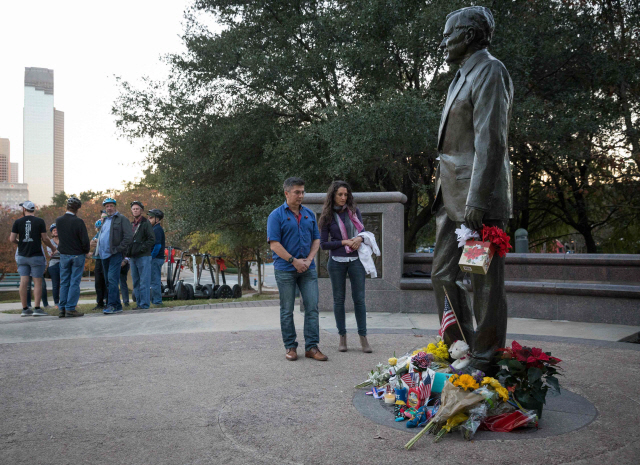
(539, 354)
(498, 238)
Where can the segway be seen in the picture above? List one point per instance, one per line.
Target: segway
(175, 288)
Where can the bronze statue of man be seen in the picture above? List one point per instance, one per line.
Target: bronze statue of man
(473, 179)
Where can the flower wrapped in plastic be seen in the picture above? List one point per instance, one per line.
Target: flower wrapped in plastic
(453, 400)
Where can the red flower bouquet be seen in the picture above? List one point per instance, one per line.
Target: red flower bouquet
(529, 373)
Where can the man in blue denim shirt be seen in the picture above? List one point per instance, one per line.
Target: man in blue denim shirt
(292, 233)
(115, 238)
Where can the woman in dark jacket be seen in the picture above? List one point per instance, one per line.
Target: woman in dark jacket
(340, 224)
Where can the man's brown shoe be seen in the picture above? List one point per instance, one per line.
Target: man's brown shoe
(73, 313)
(291, 355)
(315, 354)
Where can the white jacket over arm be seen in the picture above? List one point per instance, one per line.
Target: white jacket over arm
(367, 249)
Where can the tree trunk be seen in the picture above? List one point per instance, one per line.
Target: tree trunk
(245, 270)
(259, 265)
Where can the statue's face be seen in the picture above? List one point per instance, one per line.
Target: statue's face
(455, 42)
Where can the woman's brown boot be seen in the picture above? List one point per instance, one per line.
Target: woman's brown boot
(342, 346)
(366, 348)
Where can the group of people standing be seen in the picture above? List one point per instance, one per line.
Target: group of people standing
(295, 236)
(139, 244)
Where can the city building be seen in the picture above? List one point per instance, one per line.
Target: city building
(12, 194)
(43, 142)
(14, 173)
(5, 160)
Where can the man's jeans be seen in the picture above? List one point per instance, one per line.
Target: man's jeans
(71, 268)
(156, 281)
(54, 272)
(111, 267)
(141, 275)
(338, 274)
(307, 282)
(124, 287)
(100, 284)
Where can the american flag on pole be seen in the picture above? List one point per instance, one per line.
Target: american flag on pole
(425, 389)
(448, 317)
(408, 380)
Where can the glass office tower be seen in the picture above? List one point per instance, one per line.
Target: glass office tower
(43, 146)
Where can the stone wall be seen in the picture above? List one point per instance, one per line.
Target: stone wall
(383, 214)
(596, 288)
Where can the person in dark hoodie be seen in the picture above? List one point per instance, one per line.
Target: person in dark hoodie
(113, 242)
(139, 254)
(73, 245)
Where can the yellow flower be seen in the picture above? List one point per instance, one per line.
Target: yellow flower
(466, 382)
(393, 361)
(455, 420)
(495, 384)
(453, 379)
(431, 348)
(503, 393)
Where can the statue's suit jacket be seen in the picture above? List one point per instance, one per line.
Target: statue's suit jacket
(474, 167)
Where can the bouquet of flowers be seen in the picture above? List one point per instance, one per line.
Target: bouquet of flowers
(457, 397)
(529, 373)
(467, 401)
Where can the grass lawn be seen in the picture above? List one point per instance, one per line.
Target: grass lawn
(7, 297)
(88, 308)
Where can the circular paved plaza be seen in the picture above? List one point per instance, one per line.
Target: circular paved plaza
(212, 386)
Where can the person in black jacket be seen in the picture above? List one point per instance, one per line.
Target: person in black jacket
(157, 256)
(74, 245)
(140, 255)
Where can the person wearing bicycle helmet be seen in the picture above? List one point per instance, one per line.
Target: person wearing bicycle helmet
(74, 245)
(157, 256)
(140, 255)
(113, 242)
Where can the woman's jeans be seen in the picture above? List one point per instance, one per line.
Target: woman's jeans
(71, 268)
(338, 273)
(307, 282)
(54, 272)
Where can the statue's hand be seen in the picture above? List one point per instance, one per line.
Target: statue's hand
(473, 218)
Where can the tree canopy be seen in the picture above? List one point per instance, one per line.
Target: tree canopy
(354, 90)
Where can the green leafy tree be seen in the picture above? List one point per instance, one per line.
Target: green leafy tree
(355, 89)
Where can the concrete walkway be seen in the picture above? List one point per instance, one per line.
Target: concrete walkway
(211, 386)
(267, 318)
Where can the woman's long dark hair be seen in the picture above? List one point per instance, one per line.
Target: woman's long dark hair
(327, 209)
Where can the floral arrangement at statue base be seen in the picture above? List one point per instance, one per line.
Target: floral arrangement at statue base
(530, 373)
(424, 395)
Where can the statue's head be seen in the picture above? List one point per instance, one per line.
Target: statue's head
(466, 31)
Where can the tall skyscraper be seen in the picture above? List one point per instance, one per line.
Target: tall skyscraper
(58, 151)
(43, 146)
(5, 160)
(14, 173)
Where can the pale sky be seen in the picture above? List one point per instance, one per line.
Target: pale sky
(86, 44)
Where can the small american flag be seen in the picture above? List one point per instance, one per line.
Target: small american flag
(425, 390)
(408, 380)
(448, 317)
